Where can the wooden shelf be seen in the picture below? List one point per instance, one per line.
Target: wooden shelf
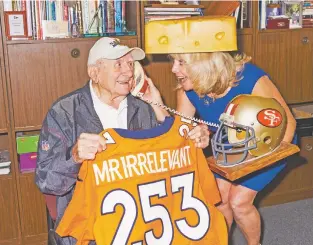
(282, 30)
(64, 40)
(6, 176)
(3, 131)
(299, 103)
(244, 31)
(28, 128)
(173, 6)
(27, 173)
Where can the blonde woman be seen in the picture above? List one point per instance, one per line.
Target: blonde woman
(207, 82)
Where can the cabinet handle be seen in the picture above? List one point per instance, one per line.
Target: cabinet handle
(75, 53)
(308, 147)
(305, 40)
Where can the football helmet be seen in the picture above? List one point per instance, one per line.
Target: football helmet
(250, 126)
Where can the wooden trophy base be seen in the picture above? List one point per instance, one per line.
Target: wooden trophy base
(252, 165)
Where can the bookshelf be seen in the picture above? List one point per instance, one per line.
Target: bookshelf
(155, 5)
(63, 40)
(34, 73)
(47, 19)
(8, 188)
(285, 15)
(287, 56)
(293, 74)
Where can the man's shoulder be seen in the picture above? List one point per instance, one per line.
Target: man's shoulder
(69, 101)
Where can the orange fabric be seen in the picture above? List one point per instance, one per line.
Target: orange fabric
(144, 189)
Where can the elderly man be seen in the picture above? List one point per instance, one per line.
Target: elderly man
(70, 131)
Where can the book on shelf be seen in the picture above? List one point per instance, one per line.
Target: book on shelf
(111, 34)
(158, 12)
(4, 171)
(243, 14)
(4, 158)
(307, 14)
(246, 16)
(174, 13)
(167, 17)
(82, 17)
(150, 9)
(28, 161)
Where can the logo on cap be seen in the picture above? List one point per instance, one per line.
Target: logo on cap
(115, 42)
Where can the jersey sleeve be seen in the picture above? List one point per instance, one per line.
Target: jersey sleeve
(79, 218)
(207, 180)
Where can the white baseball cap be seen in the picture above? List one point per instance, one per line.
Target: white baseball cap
(110, 48)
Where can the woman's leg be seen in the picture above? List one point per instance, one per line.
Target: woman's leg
(245, 213)
(224, 187)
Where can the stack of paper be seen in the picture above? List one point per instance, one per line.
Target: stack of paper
(4, 162)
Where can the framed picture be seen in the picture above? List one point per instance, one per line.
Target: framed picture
(293, 9)
(15, 24)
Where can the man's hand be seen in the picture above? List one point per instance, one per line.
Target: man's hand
(87, 146)
(200, 135)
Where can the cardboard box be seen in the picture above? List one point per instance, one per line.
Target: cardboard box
(28, 161)
(278, 23)
(304, 117)
(26, 144)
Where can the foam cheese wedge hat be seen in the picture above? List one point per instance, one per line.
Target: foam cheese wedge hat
(191, 35)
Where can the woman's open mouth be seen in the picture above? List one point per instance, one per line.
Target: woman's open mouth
(182, 79)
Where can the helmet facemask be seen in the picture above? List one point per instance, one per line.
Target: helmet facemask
(232, 139)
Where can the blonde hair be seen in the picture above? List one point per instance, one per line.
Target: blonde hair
(213, 72)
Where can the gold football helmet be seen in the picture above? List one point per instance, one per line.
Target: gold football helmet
(250, 125)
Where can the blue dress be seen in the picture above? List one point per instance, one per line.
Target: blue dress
(211, 112)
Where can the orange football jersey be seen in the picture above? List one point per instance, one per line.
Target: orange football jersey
(149, 187)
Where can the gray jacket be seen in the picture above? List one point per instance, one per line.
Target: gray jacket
(68, 117)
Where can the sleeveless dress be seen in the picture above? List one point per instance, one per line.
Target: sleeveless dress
(210, 111)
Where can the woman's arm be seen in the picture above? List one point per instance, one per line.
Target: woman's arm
(265, 87)
(200, 134)
(184, 105)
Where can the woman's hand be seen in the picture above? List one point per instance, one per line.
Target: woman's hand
(152, 94)
(200, 135)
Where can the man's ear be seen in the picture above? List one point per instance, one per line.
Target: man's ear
(93, 73)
